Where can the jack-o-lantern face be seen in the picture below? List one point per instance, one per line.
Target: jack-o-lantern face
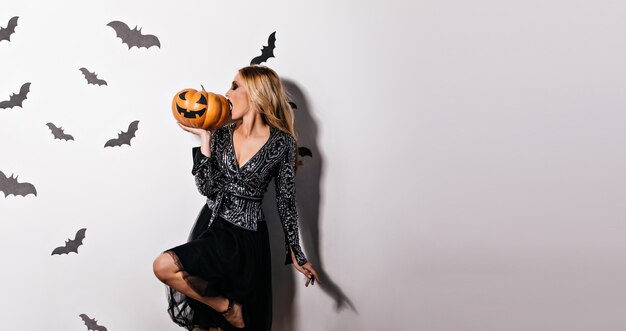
(200, 109)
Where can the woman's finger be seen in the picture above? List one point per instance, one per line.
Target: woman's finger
(183, 127)
(314, 274)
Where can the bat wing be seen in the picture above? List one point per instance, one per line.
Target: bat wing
(4, 185)
(271, 42)
(88, 75)
(73, 244)
(124, 137)
(24, 90)
(303, 151)
(148, 41)
(133, 38)
(61, 250)
(91, 323)
(92, 78)
(80, 235)
(5, 33)
(20, 97)
(85, 319)
(266, 51)
(10, 186)
(15, 100)
(122, 30)
(58, 132)
(128, 135)
(25, 189)
(133, 127)
(113, 142)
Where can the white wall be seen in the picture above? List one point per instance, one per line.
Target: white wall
(467, 170)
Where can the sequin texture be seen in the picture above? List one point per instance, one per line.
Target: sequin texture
(235, 193)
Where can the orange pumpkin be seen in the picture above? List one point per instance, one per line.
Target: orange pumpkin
(200, 109)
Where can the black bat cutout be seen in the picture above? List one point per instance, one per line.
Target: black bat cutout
(303, 151)
(124, 137)
(134, 37)
(266, 51)
(71, 245)
(58, 132)
(92, 77)
(10, 186)
(91, 323)
(293, 105)
(5, 33)
(15, 100)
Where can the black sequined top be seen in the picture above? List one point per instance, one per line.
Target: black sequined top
(235, 193)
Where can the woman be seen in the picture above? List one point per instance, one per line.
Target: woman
(221, 278)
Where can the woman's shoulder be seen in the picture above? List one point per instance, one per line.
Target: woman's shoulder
(283, 141)
(222, 131)
(284, 137)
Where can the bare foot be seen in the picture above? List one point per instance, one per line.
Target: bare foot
(234, 314)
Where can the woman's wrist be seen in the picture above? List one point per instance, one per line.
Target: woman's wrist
(205, 135)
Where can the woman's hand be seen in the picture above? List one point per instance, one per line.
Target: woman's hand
(306, 269)
(196, 131)
(310, 273)
(205, 138)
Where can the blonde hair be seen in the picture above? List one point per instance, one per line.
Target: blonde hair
(269, 96)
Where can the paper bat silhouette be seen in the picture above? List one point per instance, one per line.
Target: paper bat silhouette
(92, 78)
(303, 151)
(124, 137)
(10, 186)
(15, 100)
(71, 245)
(91, 323)
(5, 33)
(266, 51)
(58, 132)
(134, 37)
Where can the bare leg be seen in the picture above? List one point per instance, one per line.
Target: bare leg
(166, 270)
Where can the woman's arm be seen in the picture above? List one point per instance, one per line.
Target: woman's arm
(286, 203)
(286, 200)
(202, 159)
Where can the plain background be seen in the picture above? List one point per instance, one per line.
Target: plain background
(468, 167)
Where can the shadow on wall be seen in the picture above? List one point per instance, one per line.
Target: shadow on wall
(308, 182)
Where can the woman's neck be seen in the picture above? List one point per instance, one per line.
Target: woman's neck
(252, 125)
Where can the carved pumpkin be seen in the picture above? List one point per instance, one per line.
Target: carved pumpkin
(200, 109)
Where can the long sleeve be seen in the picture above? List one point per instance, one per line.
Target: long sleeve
(286, 201)
(202, 170)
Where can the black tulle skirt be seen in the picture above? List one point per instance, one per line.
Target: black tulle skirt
(223, 260)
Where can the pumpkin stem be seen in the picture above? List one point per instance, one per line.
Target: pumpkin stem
(203, 88)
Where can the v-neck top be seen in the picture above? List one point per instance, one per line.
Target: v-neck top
(235, 193)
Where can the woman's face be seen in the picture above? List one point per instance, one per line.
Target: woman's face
(238, 96)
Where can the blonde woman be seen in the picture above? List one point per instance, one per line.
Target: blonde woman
(221, 278)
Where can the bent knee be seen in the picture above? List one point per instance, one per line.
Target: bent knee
(164, 266)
